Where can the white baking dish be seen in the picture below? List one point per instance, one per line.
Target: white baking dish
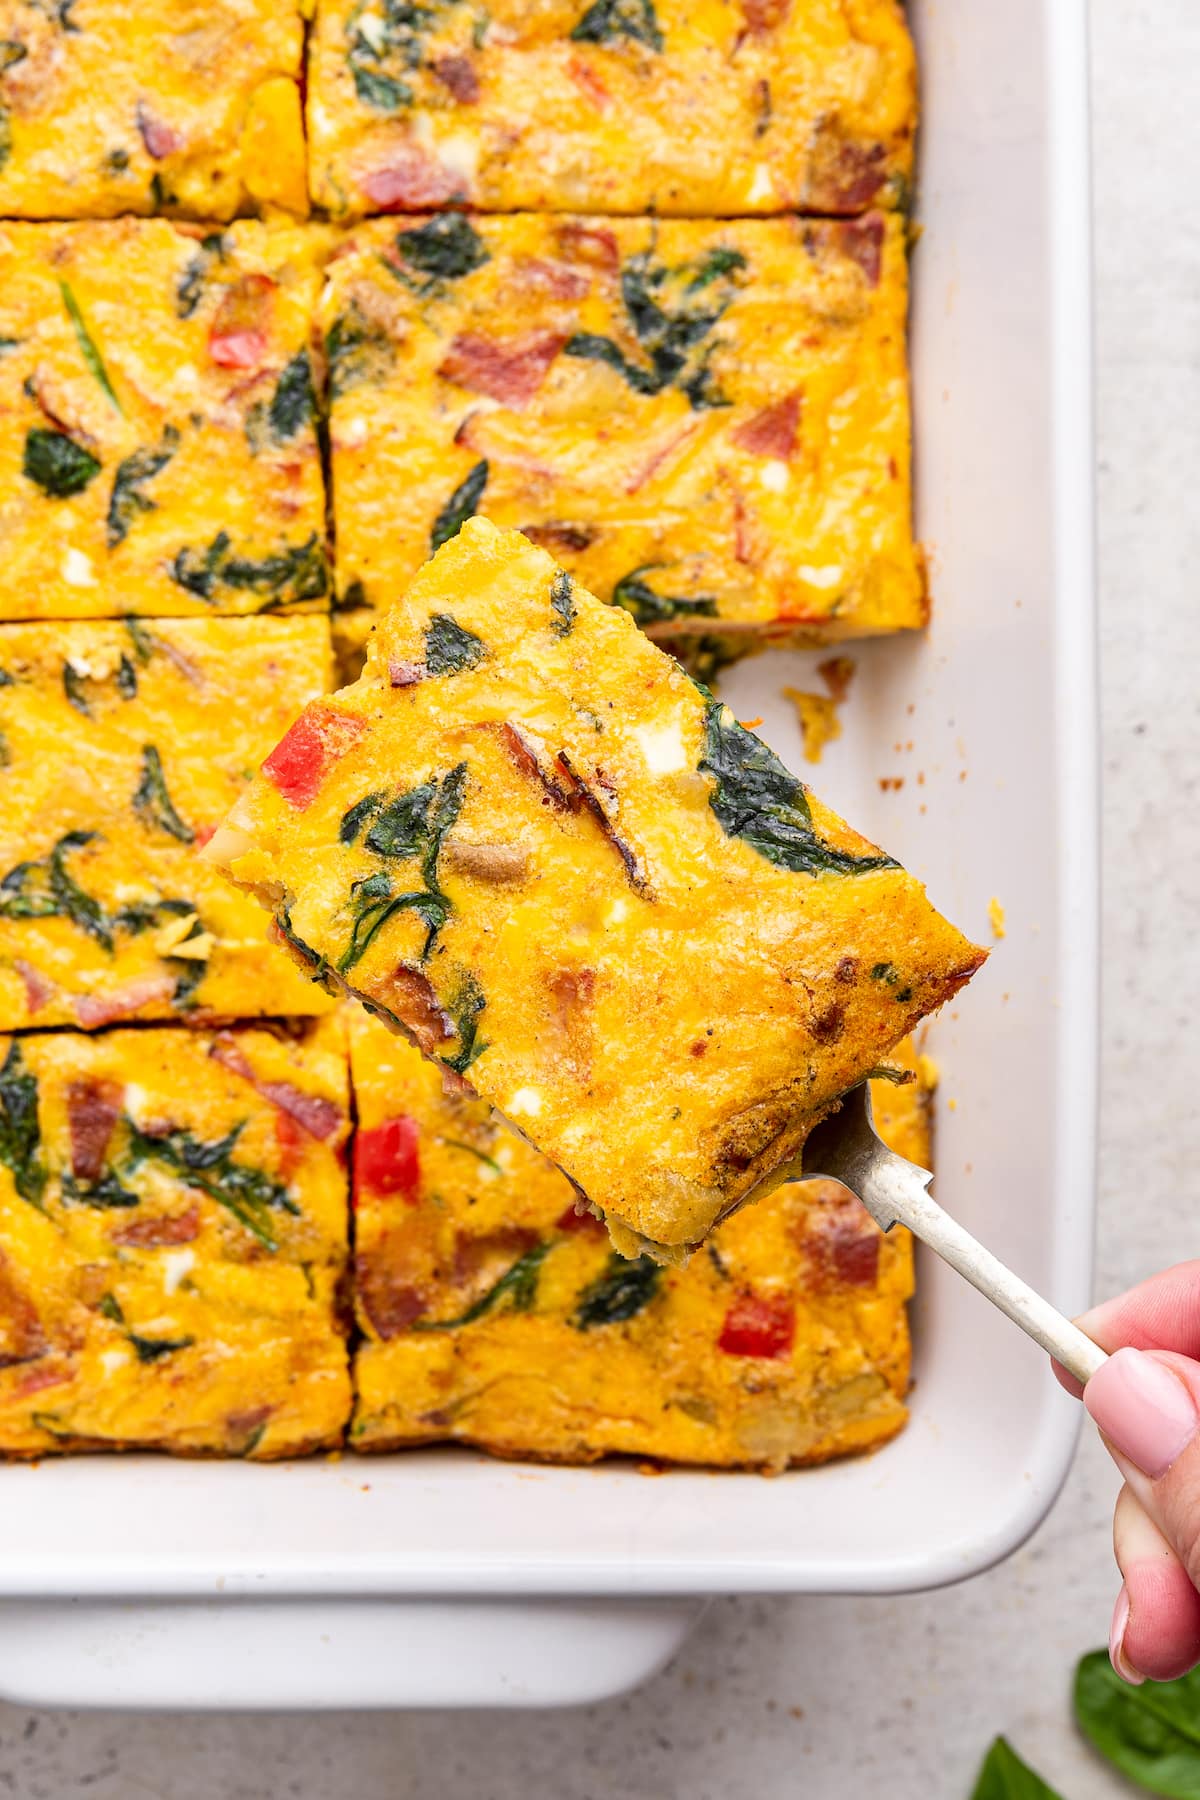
(401, 1580)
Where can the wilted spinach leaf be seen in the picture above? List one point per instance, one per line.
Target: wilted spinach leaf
(294, 403)
(463, 502)
(619, 1292)
(20, 1136)
(58, 465)
(151, 1349)
(413, 824)
(297, 572)
(445, 249)
(517, 1286)
(759, 800)
(43, 889)
(127, 499)
(383, 92)
(358, 352)
(671, 312)
(106, 1193)
(562, 604)
(648, 608)
(190, 285)
(87, 346)
(606, 20)
(465, 1008)
(385, 42)
(248, 1193)
(152, 802)
(450, 647)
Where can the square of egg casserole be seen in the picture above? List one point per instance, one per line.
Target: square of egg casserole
(529, 840)
(172, 1241)
(121, 746)
(189, 107)
(494, 1312)
(616, 106)
(707, 423)
(158, 420)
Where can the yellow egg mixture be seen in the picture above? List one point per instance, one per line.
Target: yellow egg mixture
(620, 106)
(189, 107)
(494, 1311)
(531, 841)
(705, 423)
(705, 420)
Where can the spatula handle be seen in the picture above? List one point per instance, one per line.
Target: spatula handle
(1042, 1322)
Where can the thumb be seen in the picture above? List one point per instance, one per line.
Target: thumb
(1147, 1405)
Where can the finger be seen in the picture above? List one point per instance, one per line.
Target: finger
(1160, 1314)
(1156, 1622)
(1147, 1405)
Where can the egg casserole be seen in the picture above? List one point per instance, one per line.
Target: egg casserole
(618, 106)
(189, 107)
(493, 1311)
(528, 839)
(705, 423)
(121, 746)
(158, 442)
(172, 1240)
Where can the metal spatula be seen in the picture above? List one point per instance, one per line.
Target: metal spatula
(845, 1147)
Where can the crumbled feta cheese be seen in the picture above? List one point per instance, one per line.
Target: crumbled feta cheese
(663, 747)
(827, 576)
(774, 475)
(175, 1265)
(77, 568)
(527, 1101)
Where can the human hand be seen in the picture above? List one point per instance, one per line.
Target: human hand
(1146, 1401)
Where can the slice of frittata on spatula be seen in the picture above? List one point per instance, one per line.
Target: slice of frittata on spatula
(528, 840)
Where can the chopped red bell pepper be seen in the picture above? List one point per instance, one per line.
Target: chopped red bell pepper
(386, 1159)
(759, 1325)
(241, 330)
(305, 754)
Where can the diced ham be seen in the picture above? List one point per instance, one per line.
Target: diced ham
(314, 1113)
(560, 535)
(661, 454)
(48, 1376)
(588, 82)
(161, 140)
(764, 15)
(759, 1325)
(771, 432)
(38, 989)
(387, 1159)
(595, 245)
(410, 181)
(409, 994)
(480, 1258)
(390, 1301)
(841, 1241)
(827, 1026)
(862, 241)
(22, 1337)
(511, 372)
(153, 1233)
(93, 1108)
(558, 279)
(585, 1223)
(247, 1421)
(240, 333)
(95, 1010)
(405, 674)
(290, 1140)
(457, 74)
(846, 177)
(305, 754)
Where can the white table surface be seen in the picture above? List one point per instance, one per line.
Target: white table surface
(828, 1698)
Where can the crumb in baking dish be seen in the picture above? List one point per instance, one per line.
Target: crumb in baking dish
(158, 434)
(706, 423)
(121, 746)
(529, 840)
(493, 1311)
(190, 110)
(172, 1241)
(614, 106)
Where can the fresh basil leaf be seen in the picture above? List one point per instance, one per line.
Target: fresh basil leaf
(621, 1291)
(463, 502)
(1005, 1777)
(57, 464)
(1150, 1733)
(450, 647)
(759, 800)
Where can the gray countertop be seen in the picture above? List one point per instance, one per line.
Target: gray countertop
(826, 1697)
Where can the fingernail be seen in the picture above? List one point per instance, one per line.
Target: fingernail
(1116, 1641)
(1143, 1408)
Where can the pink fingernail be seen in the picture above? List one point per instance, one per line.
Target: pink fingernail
(1116, 1641)
(1143, 1408)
